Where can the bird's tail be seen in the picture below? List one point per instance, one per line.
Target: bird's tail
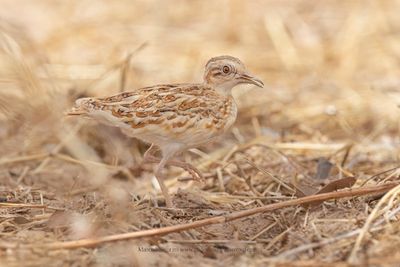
(82, 106)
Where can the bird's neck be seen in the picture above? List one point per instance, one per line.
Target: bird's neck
(222, 89)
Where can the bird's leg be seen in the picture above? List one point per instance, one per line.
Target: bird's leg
(193, 171)
(148, 155)
(160, 178)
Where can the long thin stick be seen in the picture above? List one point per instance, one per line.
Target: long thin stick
(90, 242)
(22, 205)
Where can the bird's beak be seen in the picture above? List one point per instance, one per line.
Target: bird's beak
(247, 78)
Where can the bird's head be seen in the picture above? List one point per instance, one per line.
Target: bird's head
(225, 72)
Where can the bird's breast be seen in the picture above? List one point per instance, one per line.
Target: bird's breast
(230, 113)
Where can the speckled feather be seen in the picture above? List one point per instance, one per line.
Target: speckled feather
(189, 114)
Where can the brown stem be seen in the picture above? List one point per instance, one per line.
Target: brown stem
(91, 242)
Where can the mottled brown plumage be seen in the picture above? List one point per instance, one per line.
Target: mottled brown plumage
(174, 117)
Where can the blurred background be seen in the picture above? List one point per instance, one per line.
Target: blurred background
(331, 70)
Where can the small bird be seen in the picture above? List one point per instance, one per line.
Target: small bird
(174, 117)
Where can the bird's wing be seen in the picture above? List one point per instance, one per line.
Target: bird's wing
(174, 107)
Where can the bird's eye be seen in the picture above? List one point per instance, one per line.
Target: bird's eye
(226, 69)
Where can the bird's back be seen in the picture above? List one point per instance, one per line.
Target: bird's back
(190, 114)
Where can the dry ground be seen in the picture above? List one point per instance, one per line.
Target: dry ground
(329, 111)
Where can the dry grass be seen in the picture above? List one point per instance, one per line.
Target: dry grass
(332, 71)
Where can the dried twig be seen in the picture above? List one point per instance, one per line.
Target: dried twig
(391, 194)
(292, 252)
(6, 160)
(90, 242)
(22, 205)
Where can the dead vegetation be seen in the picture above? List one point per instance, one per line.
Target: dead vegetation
(308, 176)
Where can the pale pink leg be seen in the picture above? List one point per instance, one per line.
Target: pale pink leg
(160, 178)
(150, 158)
(149, 152)
(193, 171)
